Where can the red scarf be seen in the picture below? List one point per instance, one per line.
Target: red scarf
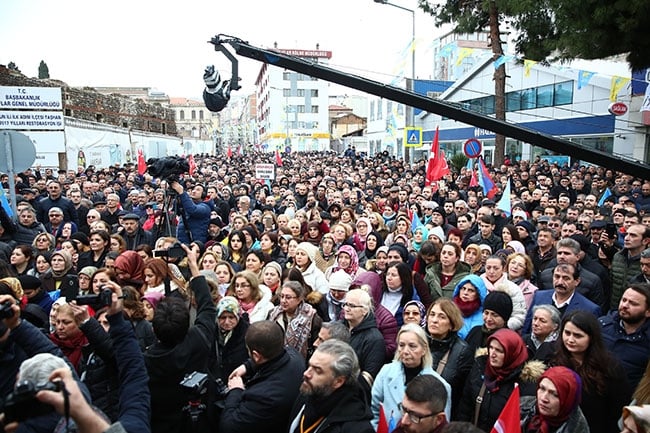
(71, 347)
(467, 308)
(515, 355)
(569, 391)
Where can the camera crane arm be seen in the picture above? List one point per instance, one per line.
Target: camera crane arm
(436, 106)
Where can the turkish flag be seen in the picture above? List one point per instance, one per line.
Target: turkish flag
(192, 165)
(229, 154)
(437, 166)
(278, 159)
(509, 419)
(382, 425)
(142, 165)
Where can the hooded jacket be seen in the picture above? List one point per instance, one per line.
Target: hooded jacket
(477, 317)
(432, 278)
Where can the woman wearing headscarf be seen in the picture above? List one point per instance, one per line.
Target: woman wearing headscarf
(556, 406)
(364, 227)
(347, 260)
(420, 235)
(374, 241)
(297, 318)
(229, 349)
(415, 312)
(326, 254)
(469, 296)
(493, 378)
(129, 268)
(62, 277)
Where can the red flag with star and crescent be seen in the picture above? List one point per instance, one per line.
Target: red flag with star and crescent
(142, 165)
(192, 164)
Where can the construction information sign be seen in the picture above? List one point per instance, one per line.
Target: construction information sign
(31, 120)
(30, 98)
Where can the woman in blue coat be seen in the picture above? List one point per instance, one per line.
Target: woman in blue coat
(469, 295)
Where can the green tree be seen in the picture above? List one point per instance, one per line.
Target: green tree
(43, 70)
(12, 66)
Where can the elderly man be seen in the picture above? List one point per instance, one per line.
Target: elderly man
(330, 396)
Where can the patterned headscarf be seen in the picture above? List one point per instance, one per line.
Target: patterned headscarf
(354, 260)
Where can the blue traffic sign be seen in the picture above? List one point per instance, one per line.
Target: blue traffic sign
(472, 148)
(413, 137)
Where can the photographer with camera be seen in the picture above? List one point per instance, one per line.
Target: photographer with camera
(195, 214)
(64, 395)
(179, 351)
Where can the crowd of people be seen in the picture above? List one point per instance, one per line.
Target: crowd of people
(345, 294)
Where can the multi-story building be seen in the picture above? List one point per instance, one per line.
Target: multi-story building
(292, 107)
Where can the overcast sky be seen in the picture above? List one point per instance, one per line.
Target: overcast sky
(152, 44)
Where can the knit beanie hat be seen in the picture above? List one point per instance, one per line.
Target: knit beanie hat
(340, 280)
(439, 233)
(500, 303)
(527, 225)
(310, 249)
(228, 304)
(275, 265)
(153, 298)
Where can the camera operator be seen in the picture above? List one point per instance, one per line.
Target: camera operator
(134, 408)
(180, 350)
(196, 214)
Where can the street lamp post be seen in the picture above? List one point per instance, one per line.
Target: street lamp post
(410, 113)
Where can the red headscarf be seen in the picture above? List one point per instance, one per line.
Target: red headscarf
(569, 391)
(131, 263)
(515, 355)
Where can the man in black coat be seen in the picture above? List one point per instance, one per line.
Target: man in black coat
(331, 399)
(263, 390)
(56, 199)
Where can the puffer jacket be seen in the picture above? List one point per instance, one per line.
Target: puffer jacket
(476, 318)
(518, 316)
(368, 344)
(432, 278)
(623, 269)
(493, 402)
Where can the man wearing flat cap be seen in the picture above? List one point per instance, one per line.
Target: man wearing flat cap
(133, 233)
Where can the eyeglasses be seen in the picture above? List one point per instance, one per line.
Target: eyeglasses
(413, 417)
(287, 297)
(349, 305)
(554, 224)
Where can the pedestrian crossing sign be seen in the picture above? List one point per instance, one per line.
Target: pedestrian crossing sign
(413, 137)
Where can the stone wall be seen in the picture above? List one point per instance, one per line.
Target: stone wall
(87, 104)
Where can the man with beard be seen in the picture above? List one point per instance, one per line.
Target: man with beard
(626, 332)
(331, 399)
(423, 406)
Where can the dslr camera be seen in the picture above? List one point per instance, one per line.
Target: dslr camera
(5, 310)
(195, 383)
(174, 251)
(22, 403)
(103, 299)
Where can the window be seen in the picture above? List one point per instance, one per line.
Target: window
(380, 110)
(563, 93)
(193, 114)
(513, 101)
(182, 114)
(99, 117)
(201, 115)
(314, 93)
(545, 96)
(314, 109)
(528, 99)
(372, 110)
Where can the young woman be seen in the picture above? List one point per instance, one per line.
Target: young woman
(269, 245)
(605, 389)
(495, 276)
(520, 270)
(155, 273)
(255, 261)
(469, 295)
(255, 300)
(118, 244)
(443, 276)
(271, 278)
(21, 259)
(99, 246)
(398, 290)
(208, 261)
(326, 255)
(237, 247)
(225, 273)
